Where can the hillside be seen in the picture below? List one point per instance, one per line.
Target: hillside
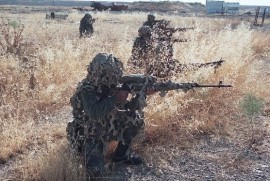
(162, 6)
(168, 7)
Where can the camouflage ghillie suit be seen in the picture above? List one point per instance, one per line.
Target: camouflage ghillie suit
(99, 118)
(151, 22)
(86, 26)
(164, 42)
(143, 49)
(156, 56)
(170, 67)
(152, 50)
(166, 64)
(164, 36)
(152, 53)
(163, 64)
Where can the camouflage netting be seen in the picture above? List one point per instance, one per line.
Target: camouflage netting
(152, 51)
(105, 70)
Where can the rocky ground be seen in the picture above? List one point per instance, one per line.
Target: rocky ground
(207, 160)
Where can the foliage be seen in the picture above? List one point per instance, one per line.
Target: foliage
(14, 24)
(251, 105)
(10, 37)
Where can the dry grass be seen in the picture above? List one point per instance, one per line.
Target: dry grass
(39, 81)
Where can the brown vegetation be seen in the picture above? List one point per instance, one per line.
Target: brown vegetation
(36, 84)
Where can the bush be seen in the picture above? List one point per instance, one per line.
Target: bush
(11, 36)
(251, 106)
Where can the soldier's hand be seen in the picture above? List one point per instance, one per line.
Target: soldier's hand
(150, 91)
(121, 96)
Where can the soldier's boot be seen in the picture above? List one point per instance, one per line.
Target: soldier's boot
(122, 154)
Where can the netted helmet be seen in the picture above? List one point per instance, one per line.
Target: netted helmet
(105, 70)
(151, 17)
(144, 31)
(87, 16)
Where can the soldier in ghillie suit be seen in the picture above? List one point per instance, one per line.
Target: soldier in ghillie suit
(86, 25)
(164, 40)
(164, 64)
(152, 51)
(143, 47)
(164, 36)
(102, 113)
(147, 54)
(151, 22)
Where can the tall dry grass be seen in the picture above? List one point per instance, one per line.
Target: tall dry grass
(36, 85)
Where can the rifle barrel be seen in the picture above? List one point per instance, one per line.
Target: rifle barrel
(212, 86)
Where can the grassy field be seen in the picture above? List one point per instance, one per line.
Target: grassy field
(43, 60)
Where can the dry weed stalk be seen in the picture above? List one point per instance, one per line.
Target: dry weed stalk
(10, 40)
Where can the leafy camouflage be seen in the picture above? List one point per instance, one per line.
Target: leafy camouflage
(143, 48)
(105, 70)
(152, 51)
(86, 25)
(98, 118)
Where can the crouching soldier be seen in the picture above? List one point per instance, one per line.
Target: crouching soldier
(86, 26)
(102, 114)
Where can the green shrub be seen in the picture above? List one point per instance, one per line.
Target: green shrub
(251, 106)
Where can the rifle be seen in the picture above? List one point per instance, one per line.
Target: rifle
(183, 29)
(169, 31)
(180, 40)
(170, 39)
(166, 22)
(173, 30)
(136, 83)
(93, 20)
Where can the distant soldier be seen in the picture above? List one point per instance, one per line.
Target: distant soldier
(164, 32)
(164, 36)
(86, 26)
(153, 50)
(142, 48)
(52, 15)
(164, 40)
(148, 55)
(151, 22)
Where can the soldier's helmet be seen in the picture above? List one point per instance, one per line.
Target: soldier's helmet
(151, 17)
(144, 31)
(87, 16)
(105, 70)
